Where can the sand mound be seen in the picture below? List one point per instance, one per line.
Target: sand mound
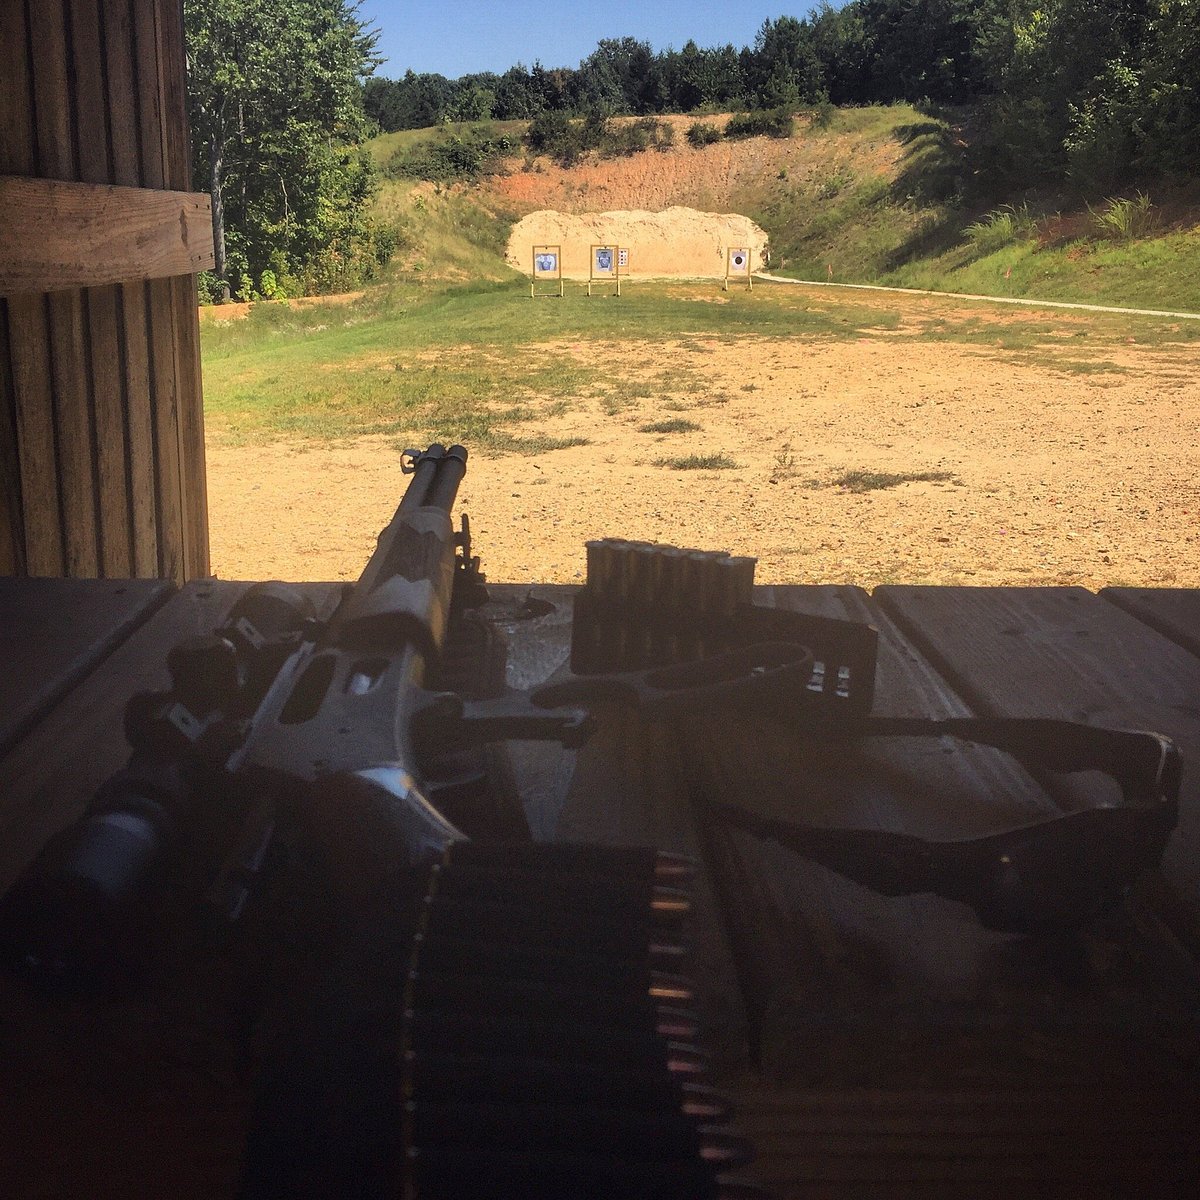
(678, 242)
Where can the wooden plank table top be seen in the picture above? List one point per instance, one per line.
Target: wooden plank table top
(877, 1046)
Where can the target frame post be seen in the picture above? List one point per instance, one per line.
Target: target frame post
(608, 274)
(734, 270)
(542, 270)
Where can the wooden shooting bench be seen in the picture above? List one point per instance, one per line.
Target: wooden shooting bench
(876, 1047)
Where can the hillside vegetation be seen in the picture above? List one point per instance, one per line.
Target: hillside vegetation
(882, 194)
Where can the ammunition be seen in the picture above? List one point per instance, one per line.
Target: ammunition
(616, 948)
(669, 865)
(722, 594)
(644, 575)
(707, 575)
(671, 577)
(742, 569)
(677, 989)
(690, 569)
(704, 1103)
(667, 646)
(676, 1023)
(500, 1079)
(694, 634)
(538, 998)
(728, 1189)
(670, 903)
(471, 1173)
(733, 585)
(724, 1148)
(561, 890)
(620, 1134)
(535, 924)
(642, 606)
(621, 570)
(668, 950)
(628, 974)
(613, 861)
(512, 1035)
(684, 1059)
(600, 569)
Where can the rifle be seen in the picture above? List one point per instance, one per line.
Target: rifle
(460, 1016)
(474, 1013)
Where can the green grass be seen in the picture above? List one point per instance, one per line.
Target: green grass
(698, 462)
(500, 442)
(671, 425)
(480, 362)
(422, 357)
(875, 481)
(911, 226)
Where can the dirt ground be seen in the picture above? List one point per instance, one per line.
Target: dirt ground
(1061, 466)
(704, 178)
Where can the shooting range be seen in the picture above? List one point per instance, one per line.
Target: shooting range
(568, 858)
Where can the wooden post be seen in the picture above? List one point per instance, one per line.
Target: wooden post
(101, 426)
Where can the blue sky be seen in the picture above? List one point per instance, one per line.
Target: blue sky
(456, 37)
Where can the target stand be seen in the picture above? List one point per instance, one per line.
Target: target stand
(547, 268)
(737, 266)
(604, 266)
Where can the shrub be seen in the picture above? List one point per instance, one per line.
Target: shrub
(823, 114)
(646, 133)
(772, 122)
(210, 287)
(703, 133)
(834, 184)
(1123, 220)
(475, 153)
(1001, 227)
(555, 134)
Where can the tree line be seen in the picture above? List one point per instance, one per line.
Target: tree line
(275, 102)
(1089, 92)
(1093, 93)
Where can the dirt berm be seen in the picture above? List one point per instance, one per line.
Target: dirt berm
(676, 243)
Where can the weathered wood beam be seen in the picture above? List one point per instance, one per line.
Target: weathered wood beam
(56, 235)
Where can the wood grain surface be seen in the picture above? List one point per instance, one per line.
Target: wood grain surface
(73, 235)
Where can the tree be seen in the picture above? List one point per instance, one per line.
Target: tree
(785, 70)
(613, 78)
(275, 101)
(1171, 91)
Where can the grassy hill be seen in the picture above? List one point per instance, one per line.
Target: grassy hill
(870, 195)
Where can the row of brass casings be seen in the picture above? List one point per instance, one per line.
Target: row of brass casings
(650, 576)
(649, 605)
